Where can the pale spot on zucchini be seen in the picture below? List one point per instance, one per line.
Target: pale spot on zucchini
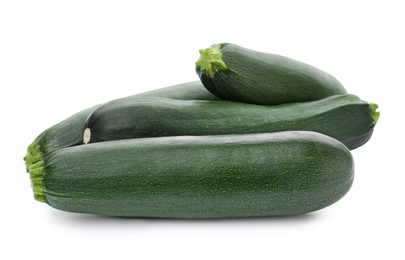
(86, 135)
(33, 155)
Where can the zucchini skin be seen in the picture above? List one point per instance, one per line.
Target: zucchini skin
(253, 175)
(343, 117)
(69, 131)
(244, 75)
(193, 90)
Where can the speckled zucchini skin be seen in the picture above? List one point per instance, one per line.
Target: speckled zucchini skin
(235, 73)
(272, 174)
(69, 131)
(193, 90)
(344, 117)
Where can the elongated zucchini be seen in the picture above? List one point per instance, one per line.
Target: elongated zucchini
(344, 117)
(284, 173)
(239, 74)
(69, 131)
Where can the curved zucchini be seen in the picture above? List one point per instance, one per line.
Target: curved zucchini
(271, 174)
(69, 131)
(238, 74)
(344, 117)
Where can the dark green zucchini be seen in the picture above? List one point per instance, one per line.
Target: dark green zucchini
(69, 131)
(344, 117)
(239, 74)
(284, 173)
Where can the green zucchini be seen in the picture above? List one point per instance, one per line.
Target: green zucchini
(239, 74)
(271, 174)
(69, 131)
(343, 117)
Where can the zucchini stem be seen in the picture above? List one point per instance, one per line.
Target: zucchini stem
(33, 155)
(36, 172)
(210, 61)
(374, 113)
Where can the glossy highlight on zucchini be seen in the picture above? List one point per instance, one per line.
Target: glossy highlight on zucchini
(235, 73)
(224, 176)
(346, 118)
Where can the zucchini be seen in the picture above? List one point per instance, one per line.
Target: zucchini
(343, 117)
(239, 74)
(271, 174)
(69, 131)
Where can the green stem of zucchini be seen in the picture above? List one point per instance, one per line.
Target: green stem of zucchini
(374, 113)
(33, 153)
(36, 171)
(210, 61)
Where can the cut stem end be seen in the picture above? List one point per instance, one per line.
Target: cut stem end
(86, 135)
(33, 155)
(36, 172)
(210, 61)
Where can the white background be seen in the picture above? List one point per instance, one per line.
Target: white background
(59, 57)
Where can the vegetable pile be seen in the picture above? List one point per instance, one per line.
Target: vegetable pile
(258, 135)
